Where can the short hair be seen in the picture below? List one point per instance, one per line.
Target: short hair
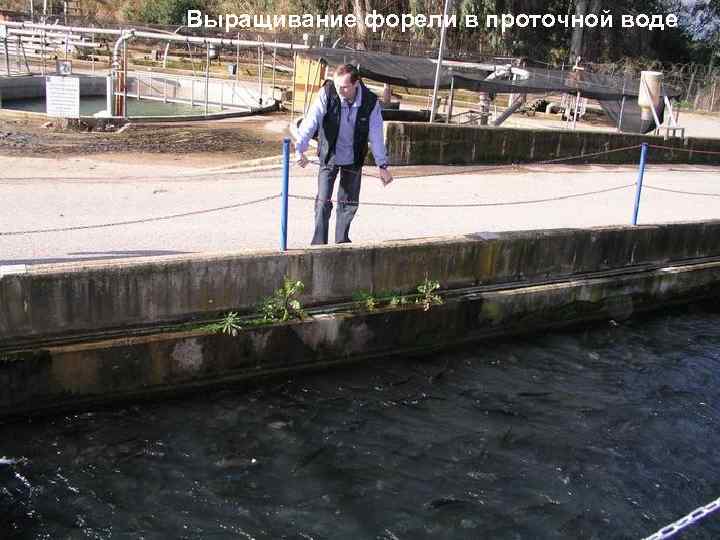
(344, 69)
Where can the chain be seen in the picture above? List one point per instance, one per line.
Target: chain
(689, 150)
(683, 192)
(682, 523)
(549, 161)
(136, 221)
(463, 205)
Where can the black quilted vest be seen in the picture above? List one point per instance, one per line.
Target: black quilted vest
(330, 125)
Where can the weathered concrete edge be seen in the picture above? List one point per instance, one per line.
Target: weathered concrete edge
(66, 299)
(421, 143)
(154, 366)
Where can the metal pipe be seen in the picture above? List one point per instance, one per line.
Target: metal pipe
(443, 30)
(273, 71)
(284, 197)
(638, 190)
(292, 103)
(207, 78)
(622, 109)
(42, 48)
(149, 35)
(261, 62)
(115, 67)
(7, 57)
(237, 60)
(577, 108)
(451, 100)
(125, 78)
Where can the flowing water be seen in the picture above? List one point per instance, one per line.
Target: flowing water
(609, 431)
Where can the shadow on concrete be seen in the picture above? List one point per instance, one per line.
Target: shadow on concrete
(79, 256)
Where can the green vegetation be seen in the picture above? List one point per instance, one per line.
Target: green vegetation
(283, 304)
(171, 12)
(428, 294)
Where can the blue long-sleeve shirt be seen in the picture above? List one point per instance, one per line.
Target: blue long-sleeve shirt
(344, 154)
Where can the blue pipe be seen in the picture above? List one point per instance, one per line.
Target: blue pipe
(638, 191)
(284, 197)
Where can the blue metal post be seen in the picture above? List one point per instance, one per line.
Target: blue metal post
(284, 197)
(638, 190)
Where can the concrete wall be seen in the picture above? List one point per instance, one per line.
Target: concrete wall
(411, 143)
(70, 376)
(63, 299)
(34, 87)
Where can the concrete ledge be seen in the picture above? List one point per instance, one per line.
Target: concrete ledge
(65, 299)
(72, 376)
(414, 143)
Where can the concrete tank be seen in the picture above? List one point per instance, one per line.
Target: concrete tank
(650, 96)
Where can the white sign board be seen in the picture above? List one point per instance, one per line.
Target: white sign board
(3, 31)
(62, 97)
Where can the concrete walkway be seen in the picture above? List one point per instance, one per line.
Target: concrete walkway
(49, 194)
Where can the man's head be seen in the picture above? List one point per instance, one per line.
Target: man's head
(345, 78)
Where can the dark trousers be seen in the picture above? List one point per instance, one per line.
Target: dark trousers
(349, 190)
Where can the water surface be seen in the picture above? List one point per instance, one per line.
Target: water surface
(605, 432)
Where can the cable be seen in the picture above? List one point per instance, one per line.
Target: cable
(464, 205)
(682, 192)
(689, 150)
(136, 221)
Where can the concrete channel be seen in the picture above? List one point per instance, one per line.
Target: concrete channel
(75, 336)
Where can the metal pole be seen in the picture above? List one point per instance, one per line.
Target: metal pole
(273, 71)
(638, 191)
(284, 198)
(42, 51)
(451, 100)
(292, 103)
(260, 75)
(577, 107)
(443, 29)
(125, 78)
(207, 78)
(622, 109)
(237, 61)
(7, 57)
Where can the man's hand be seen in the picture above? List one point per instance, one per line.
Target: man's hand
(302, 160)
(385, 176)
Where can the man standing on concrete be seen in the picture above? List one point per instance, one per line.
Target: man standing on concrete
(346, 116)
